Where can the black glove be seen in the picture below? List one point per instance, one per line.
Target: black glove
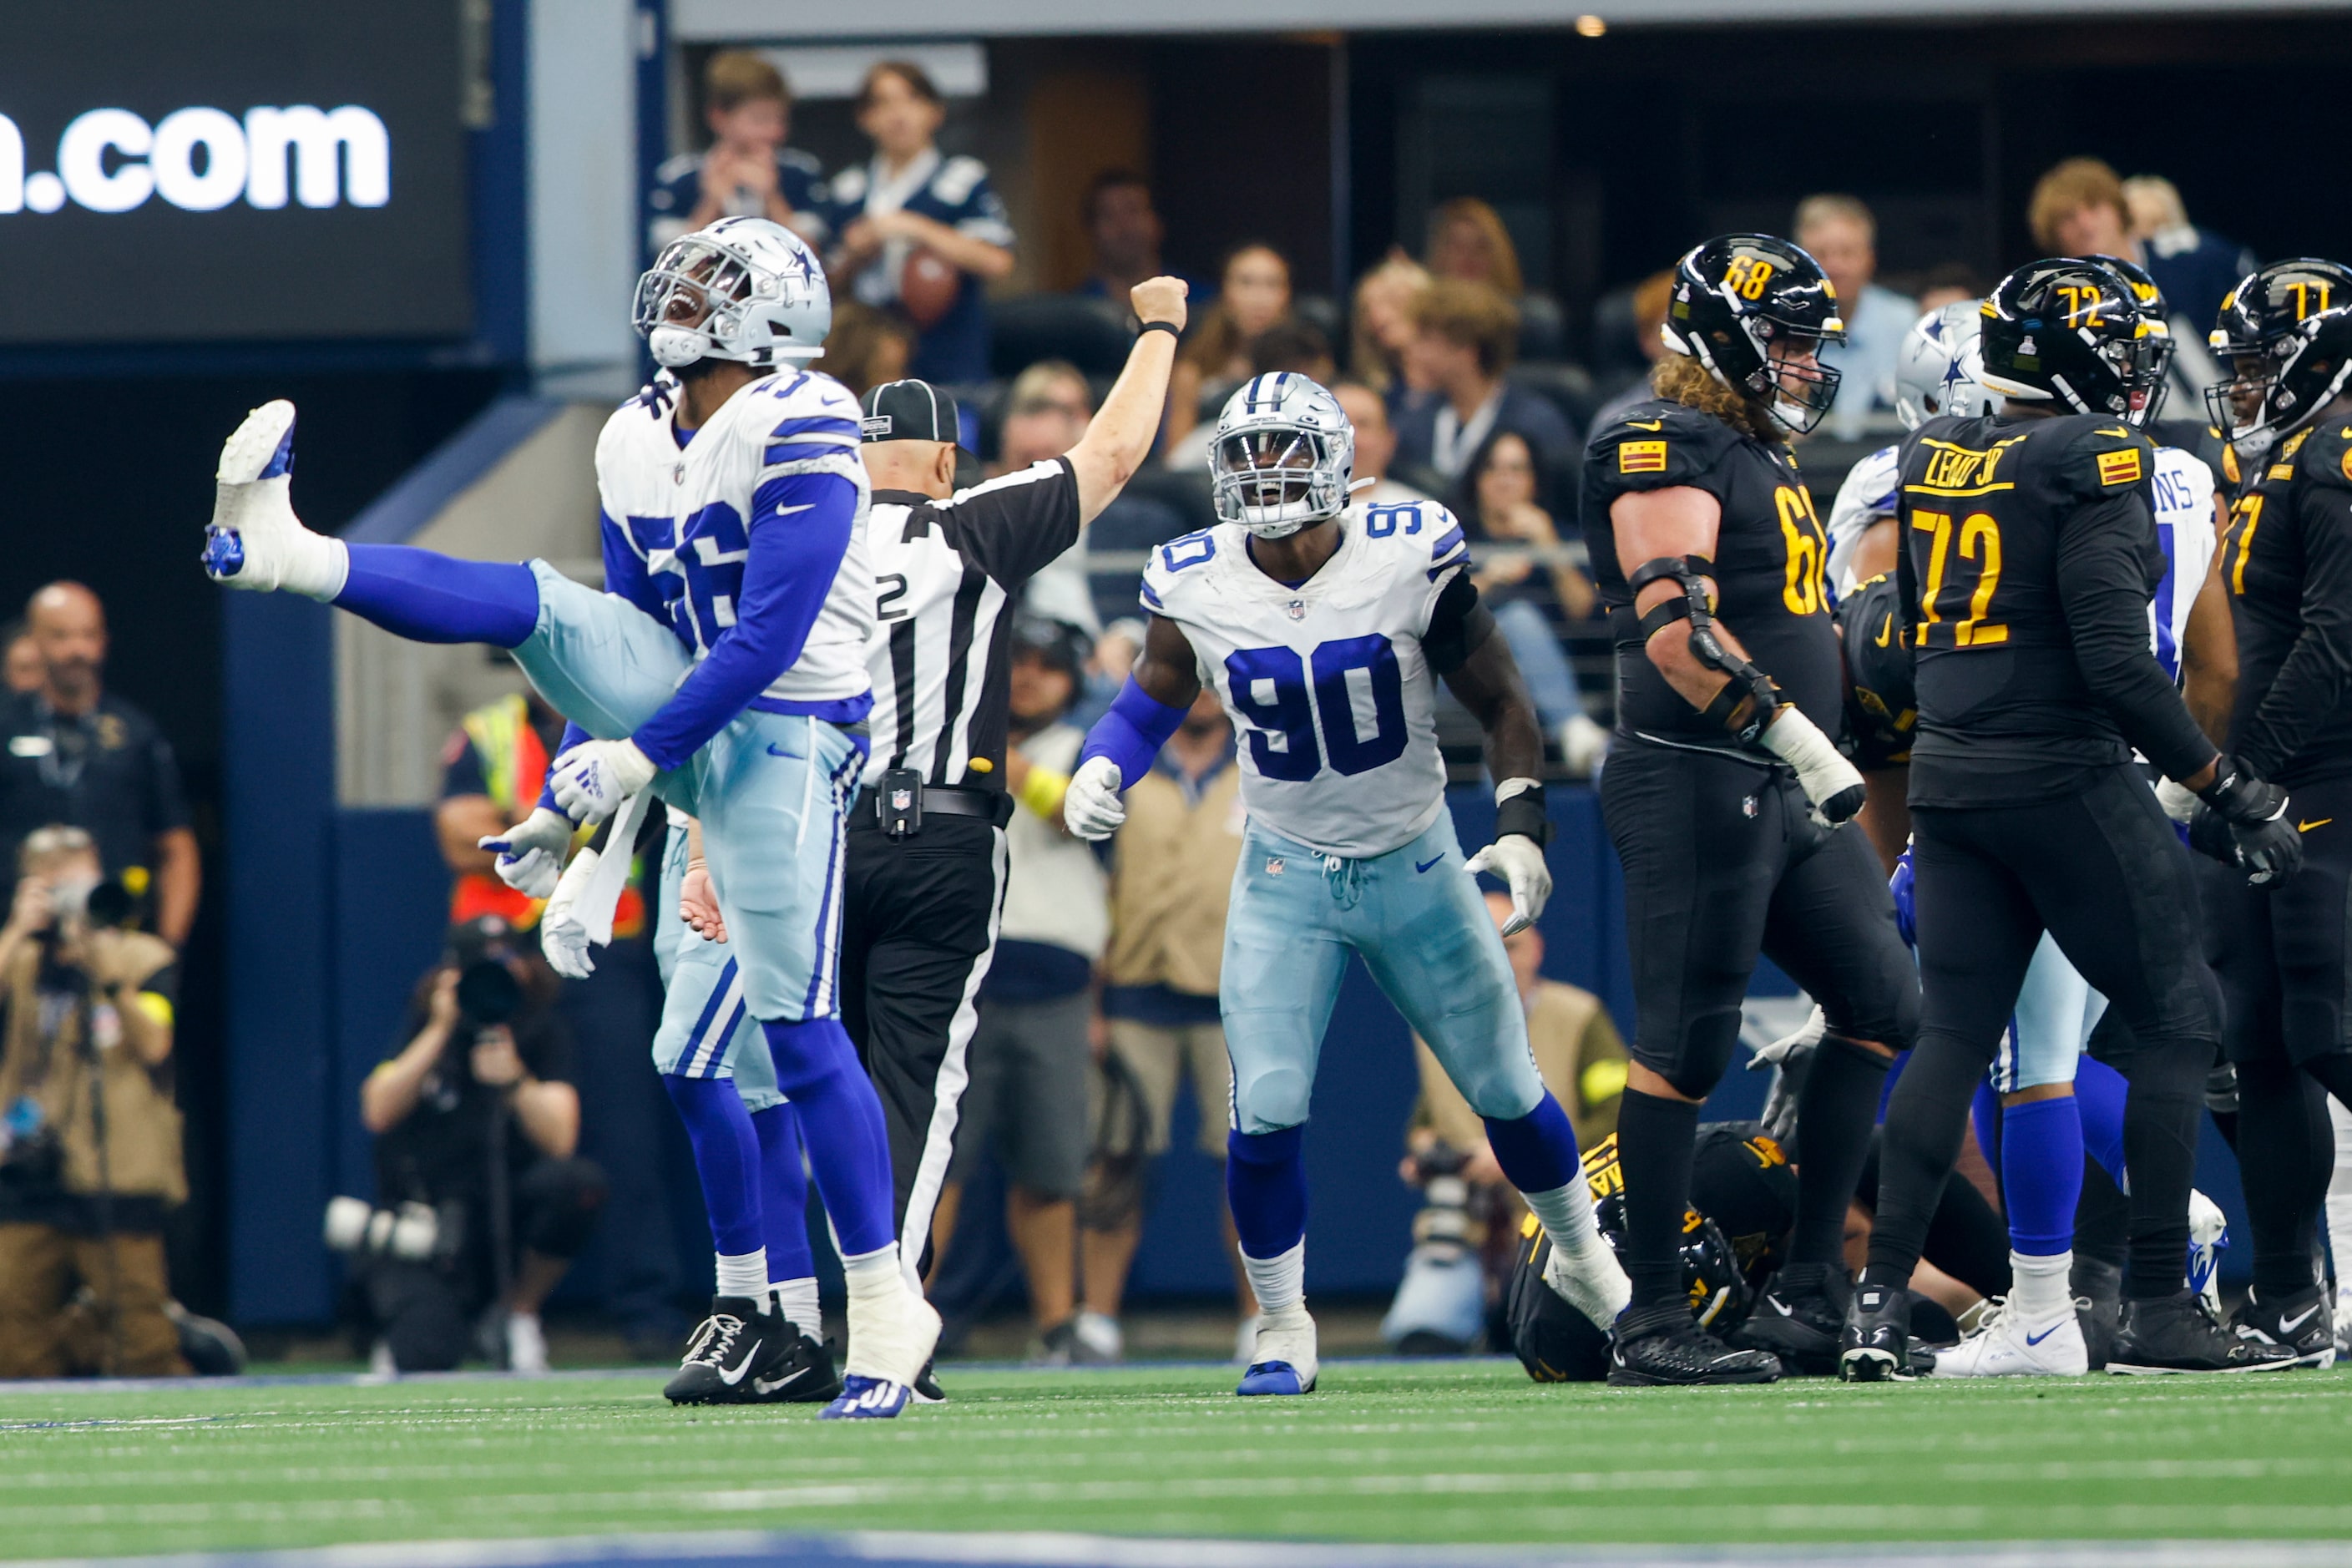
(2268, 846)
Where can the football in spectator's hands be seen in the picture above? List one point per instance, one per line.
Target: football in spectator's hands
(928, 286)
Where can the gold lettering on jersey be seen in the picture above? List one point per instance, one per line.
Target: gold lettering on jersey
(1805, 590)
(2294, 443)
(2248, 518)
(1956, 470)
(2281, 470)
(2119, 467)
(1642, 458)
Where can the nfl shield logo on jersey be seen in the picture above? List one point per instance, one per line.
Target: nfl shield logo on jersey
(1296, 609)
(1274, 866)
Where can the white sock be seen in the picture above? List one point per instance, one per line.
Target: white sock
(1567, 1215)
(744, 1274)
(1280, 1282)
(320, 567)
(873, 1275)
(798, 1299)
(2038, 1286)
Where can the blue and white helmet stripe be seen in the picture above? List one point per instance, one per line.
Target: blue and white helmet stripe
(1282, 457)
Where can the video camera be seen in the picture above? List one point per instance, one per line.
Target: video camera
(413, 1233)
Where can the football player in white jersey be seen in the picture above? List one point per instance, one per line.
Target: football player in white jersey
(730, 678)
(1321, 625)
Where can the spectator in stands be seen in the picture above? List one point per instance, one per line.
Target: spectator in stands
(866, 347)
(1949, 283)
(21, 669)
(1172, 873)
(1253, 293)
(916, 231)
(1381, 327)
(1651, 298)
(1048, 409)
(474, 1117)
(747, 172)
(85, 1017)
(1842, 235)
(1026, 1101)
(2195, 267)
(1290, 344)
(1463, 1246)
(1503, 500)
(77, 753)
(1468, 242)
(1465, 336)
(1375, 446)
(2079, 209)
(1126, 232)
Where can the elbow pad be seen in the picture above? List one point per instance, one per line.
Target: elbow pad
(1745, 708)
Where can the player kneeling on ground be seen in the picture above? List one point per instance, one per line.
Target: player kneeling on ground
(1320, 625)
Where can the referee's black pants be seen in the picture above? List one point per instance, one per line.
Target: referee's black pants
(2104, 873)
(919, 926)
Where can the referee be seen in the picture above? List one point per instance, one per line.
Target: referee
(925, 865)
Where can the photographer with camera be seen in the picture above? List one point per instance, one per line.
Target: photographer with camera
(90, 1138)
(481, 1203)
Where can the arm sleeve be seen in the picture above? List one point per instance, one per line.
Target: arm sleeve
(1011, 527)
(2103, 588)
(1457, 625)
(2317, 672)
(787, 575)
(624, 570)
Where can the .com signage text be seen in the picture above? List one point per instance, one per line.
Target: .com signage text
(201, 159)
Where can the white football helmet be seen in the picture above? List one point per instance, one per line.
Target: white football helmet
(1935, 369)
(1282, 456)
(744, 288)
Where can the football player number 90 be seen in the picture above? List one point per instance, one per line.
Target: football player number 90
(1269, 687)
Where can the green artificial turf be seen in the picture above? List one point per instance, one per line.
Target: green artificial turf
(1427, 1452)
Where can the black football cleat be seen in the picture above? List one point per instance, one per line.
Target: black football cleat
(807, 1373)
(736, 1346)
(1875, 1346)
(2173, 1335)
(1799, 1317)
(1660, 1347)
(2098, 1287)
(2301, 1323)
(927, 1385)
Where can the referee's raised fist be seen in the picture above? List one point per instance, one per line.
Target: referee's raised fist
(1160, 299)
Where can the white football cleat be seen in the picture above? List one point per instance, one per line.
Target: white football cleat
(2005, 1345)
(891, 1337)
(1592, 1282)
(255, 541)
(1283, 1360)
(2209, 1237)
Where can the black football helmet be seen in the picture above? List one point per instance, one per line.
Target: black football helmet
(2072, 331)
(2285, 332)
(2159, 313)
(1734, 299)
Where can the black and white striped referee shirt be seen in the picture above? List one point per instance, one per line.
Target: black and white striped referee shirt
(947, 575)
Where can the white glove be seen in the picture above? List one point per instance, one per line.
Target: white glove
(1519, 861)
(1092, 808)
(563, 935)
(2179, 802)
(530, 853)
(1832, 788)
(1804, 1037)
(594, 777)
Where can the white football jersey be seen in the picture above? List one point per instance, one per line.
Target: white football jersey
(1325, 683)
(689, 515)
(2183, 490)
(1866, 495)
(639, 469)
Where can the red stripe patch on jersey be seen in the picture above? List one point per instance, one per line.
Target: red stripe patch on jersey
(2119, 467)
(1642, 458)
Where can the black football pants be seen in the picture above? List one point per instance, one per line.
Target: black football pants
(918, 927)
(2103, 871)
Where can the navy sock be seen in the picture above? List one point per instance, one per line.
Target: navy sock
(726, 1156)
(1265, 1183)
(784, 1193)
(1837, 1110)
(2041, 1174)
(425, 596)
(2099, 1094)
(849, 1149)
(1537, 1151)
(1656, 1141)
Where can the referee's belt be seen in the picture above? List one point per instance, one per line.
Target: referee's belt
(944, 800)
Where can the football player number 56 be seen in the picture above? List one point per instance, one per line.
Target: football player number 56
(1973, 578)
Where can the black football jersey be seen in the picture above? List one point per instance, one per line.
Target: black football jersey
(2287, 563)
(1994, 512)
(1770, 564)
(1881, 708)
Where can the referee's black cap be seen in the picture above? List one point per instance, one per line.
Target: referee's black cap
(910, 411)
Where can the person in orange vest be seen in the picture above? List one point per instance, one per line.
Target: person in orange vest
(492, 769)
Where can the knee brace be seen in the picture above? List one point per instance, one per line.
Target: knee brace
(1745, 706)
